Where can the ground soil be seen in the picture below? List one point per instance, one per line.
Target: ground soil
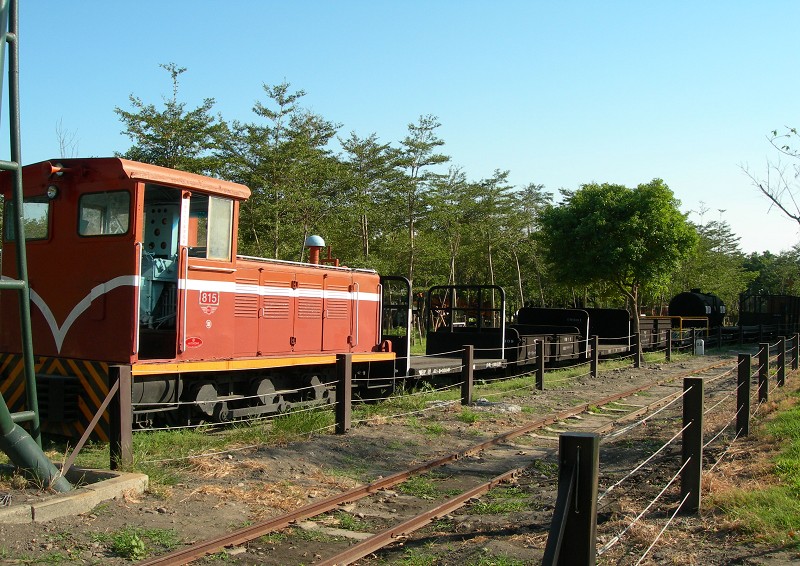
(222, 492)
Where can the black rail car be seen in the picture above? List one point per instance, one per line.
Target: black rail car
(697, 305)
(774, 310)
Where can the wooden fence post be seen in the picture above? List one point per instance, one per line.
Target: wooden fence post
(781, 361)
(637, 360)
(344, 392)
(573, 532)
(763, 372)
(540, 365)
(795, 350)
(595, 355)
(467, 374)
(121, 418)
(668, 352)
(743, 396)
(692, 449)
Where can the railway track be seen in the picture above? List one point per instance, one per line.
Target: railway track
(387, 510)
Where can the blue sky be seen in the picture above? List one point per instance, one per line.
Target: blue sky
(558, 93)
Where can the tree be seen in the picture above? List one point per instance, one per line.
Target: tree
(284, 159)
(371, 169)
(172, 137)
(418, 155)
(610, 234)
(780, 182)
(717, 265)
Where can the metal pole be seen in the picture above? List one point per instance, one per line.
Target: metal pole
(26, 334)
(637, 361)
(595, 355)
(692, 450)
(467, 374)
(344, 391)
(781, 361)
(743, 396)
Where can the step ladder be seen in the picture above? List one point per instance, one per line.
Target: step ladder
(9, 26)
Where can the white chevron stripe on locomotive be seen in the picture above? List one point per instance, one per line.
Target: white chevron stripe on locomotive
(60, 331)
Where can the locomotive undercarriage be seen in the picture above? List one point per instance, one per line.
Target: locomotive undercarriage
(178, 400)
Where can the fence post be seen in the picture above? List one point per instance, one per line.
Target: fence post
(668, 352)
(467, 374)
(763, 372)
(781, 361)
(121, 418)
(692, 450)
(595, 355)
(795, 348)
(637, 361)
(575, 514)
(694, 341)
(344, 391)
(743, 396)
(719, 337)
(540, 365)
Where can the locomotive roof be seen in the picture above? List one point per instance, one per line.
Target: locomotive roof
(116, 167)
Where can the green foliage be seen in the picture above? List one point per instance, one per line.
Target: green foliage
(173, 137)
(716, 265)
(135, 543)
(392, 206)
(609, 234)
(772, 513)
(128, 545)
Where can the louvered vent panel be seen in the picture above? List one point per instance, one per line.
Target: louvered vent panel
(276, 308)
(337, 309)
(308, 307)
(246, 306)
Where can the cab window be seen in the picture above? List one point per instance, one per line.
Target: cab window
(210, 227)
(104, 214)
(36, 221)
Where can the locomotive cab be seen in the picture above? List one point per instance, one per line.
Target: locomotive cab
(108, 240)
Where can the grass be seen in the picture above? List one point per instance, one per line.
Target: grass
(771, 513)
(500, 501)
(422, 486)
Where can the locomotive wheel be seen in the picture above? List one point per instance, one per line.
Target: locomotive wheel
(222, 413)
(205, 397)
(318, 392)
(265, 389)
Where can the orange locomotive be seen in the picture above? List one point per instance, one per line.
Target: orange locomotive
(133, 264)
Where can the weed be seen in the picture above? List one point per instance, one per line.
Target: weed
(314, 536)
(128, 544)
(468, 416)
(272, 538)
(419, 486)
(349, 522)
(135, 543)
(501, 500)
(435, 429)
(415, 557)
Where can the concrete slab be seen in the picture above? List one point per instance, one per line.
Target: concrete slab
(96, 486)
